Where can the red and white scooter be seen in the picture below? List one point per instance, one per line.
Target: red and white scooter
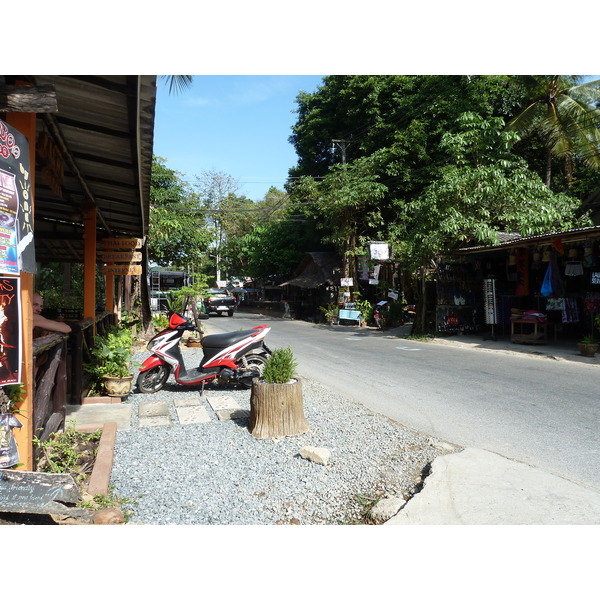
(236, 357)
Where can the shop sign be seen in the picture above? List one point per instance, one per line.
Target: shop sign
(379, 250)
(347, 282)
(121, 257)
(595, 278)
(122, 270)
(123, 243)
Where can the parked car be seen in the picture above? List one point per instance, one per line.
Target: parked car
(219, 301)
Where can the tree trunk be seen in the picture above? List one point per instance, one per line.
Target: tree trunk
(276, 409)
(147, 326)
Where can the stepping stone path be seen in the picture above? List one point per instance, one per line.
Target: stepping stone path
(189, 410)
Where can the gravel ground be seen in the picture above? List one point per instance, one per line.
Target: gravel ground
(218, 473)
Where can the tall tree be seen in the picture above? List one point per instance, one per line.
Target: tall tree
(566, 115)
(346, 204)
(483, 189)
(214, 188)
(178, 231)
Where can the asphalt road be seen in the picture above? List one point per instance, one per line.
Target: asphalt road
(544, 413)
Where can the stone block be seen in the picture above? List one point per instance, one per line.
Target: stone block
(159, 421)
(386, 508)
(153, 409)
(320, 456)
(188, 400)
(222, 403)
(228, 415)
(192, 414)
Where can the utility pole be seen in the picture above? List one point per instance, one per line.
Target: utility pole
(342, 145)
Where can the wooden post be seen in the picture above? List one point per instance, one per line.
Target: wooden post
(25, 123)
(109, 292)
(89, 263)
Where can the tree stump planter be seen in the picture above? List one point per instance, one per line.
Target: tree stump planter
(276, 409)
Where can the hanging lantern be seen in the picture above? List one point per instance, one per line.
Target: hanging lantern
(512, 258)
(546, 254)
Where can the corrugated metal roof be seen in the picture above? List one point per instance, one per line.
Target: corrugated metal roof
(104, 131)
(571, 234)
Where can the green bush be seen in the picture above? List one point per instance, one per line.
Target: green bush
(280, 366)
(111, 354)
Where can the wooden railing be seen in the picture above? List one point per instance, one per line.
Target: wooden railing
(59, 373)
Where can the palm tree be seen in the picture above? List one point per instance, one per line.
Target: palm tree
(567, 116)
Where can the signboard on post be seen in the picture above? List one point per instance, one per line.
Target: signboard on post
(122, 257)
(122, 243)
(122, 270)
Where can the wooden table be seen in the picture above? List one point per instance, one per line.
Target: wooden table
(527, 331)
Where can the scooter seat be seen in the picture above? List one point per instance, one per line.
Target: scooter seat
(222, 340)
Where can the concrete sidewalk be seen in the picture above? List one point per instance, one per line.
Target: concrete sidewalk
(477, 487)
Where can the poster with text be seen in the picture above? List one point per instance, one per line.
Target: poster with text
(10, 331)
(17, 251)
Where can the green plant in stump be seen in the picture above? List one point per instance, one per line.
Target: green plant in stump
(280, 366)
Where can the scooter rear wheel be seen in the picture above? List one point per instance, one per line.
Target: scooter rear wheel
(153, 379)
(256, 363)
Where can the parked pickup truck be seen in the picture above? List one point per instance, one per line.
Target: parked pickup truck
(220, 301)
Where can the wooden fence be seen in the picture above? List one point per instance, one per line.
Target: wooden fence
(59, 372)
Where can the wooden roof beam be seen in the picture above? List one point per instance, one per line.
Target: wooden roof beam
(54, 129)
(28, 99)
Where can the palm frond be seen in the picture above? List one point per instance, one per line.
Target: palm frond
(177, 83)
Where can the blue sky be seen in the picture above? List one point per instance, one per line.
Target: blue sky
(235, 124)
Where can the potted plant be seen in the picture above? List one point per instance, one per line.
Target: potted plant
(111, 361)
(588, 346)
(276, 408)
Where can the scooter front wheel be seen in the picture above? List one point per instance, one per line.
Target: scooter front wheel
(153, 379)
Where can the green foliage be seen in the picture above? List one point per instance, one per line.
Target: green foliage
(366, 309)
(330, 312)
(483, 189)
(112, 353)
(50, 283)
(10, 396)
(178, 230)
(280, 367)
(160, 322)
(566, 116)
(70, 452)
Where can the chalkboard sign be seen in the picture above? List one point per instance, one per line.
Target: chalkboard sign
(40, 493)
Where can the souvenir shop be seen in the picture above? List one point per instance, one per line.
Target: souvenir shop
(532, 289)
